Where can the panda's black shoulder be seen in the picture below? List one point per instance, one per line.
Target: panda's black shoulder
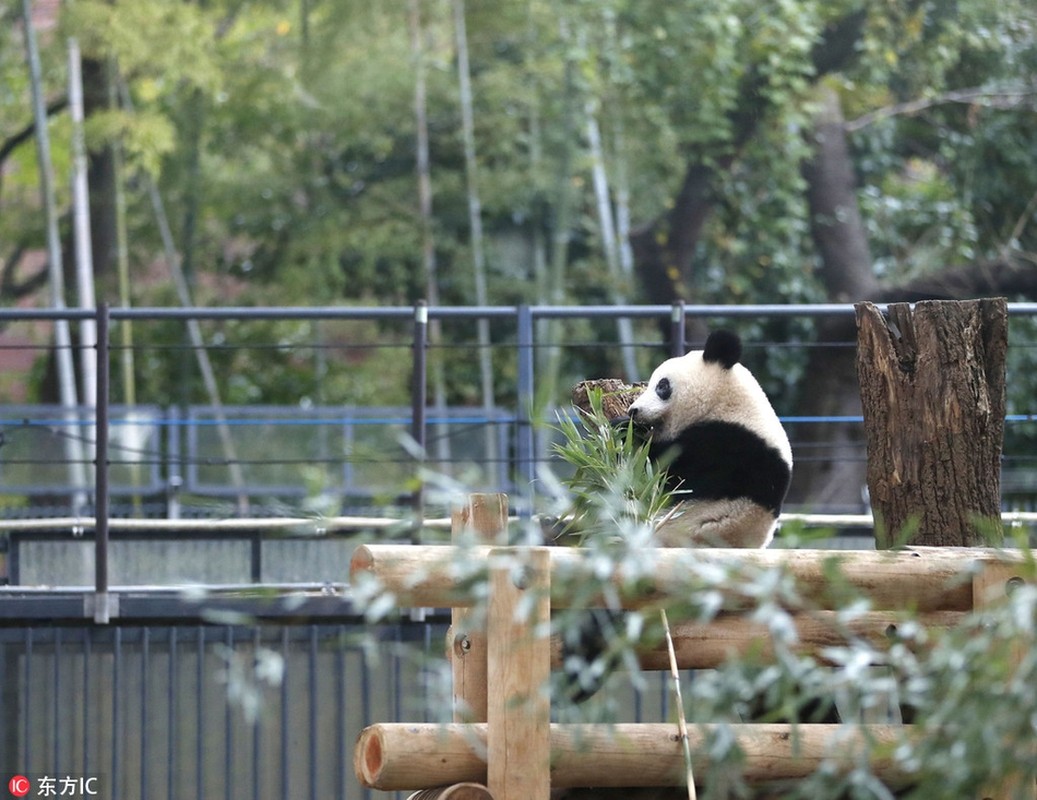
(724, 348)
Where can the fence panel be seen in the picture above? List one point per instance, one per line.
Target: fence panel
(242, 712)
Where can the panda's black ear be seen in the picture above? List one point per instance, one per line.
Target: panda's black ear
(723, 347)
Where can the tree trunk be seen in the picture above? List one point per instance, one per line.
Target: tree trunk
(464, 79)
(97, 96)
(829, 475)
(933, 394)
(835, 218)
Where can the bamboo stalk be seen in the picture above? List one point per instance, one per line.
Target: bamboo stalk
(484, 355)
(682, 723)
(55, 272)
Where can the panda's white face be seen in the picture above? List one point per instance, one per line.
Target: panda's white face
(705, 386)
(681, 392)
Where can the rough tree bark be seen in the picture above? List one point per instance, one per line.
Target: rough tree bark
(616, 396)
(933, 393)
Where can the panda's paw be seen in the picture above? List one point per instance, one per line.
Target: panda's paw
(587, 658)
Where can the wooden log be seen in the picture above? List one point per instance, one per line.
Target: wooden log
(932, 384)
(518, 657)
(729, 636)
(398, 756)
(917, 579)
(616, 396)
(483, 518)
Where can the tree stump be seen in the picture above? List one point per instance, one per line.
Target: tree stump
(933, 394)
(616, 396)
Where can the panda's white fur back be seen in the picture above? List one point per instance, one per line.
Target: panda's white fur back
(733, 459)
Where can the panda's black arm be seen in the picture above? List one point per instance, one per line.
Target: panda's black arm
(725, 461)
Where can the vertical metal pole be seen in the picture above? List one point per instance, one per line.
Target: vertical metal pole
(228, 727)
(101, 405)
(315, 704)
(26, 697)
(14, 559)
(9, 703)
(257, 732)
(256, 559)
(678, 323)
(145, 710)
(88, 702)
(56, 704)
(173, 434)
(419, 401)
(117, 724)
(173, 772)
(525, 445)
(286, 712)
(201, 721)
(339, 675)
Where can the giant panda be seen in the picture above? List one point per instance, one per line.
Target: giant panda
(728, 462)
(726, 454)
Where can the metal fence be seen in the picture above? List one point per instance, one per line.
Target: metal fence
(173, 711)
(109, 666)
(238, 699)
(168, 458)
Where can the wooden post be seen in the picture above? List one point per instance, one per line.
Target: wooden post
(519, 659)
(991, 586)
(485, 518)
(932, 387)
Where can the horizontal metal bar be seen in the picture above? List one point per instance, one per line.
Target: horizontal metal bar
(268, 631)
(253, 604)
(439, 312)
(406, 313)
(307, 528)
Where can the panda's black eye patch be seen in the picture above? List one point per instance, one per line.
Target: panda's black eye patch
(663, 389)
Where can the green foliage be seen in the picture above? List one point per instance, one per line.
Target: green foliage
(133, 32)
(614, 485)
(282, 136)
(297, 362)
